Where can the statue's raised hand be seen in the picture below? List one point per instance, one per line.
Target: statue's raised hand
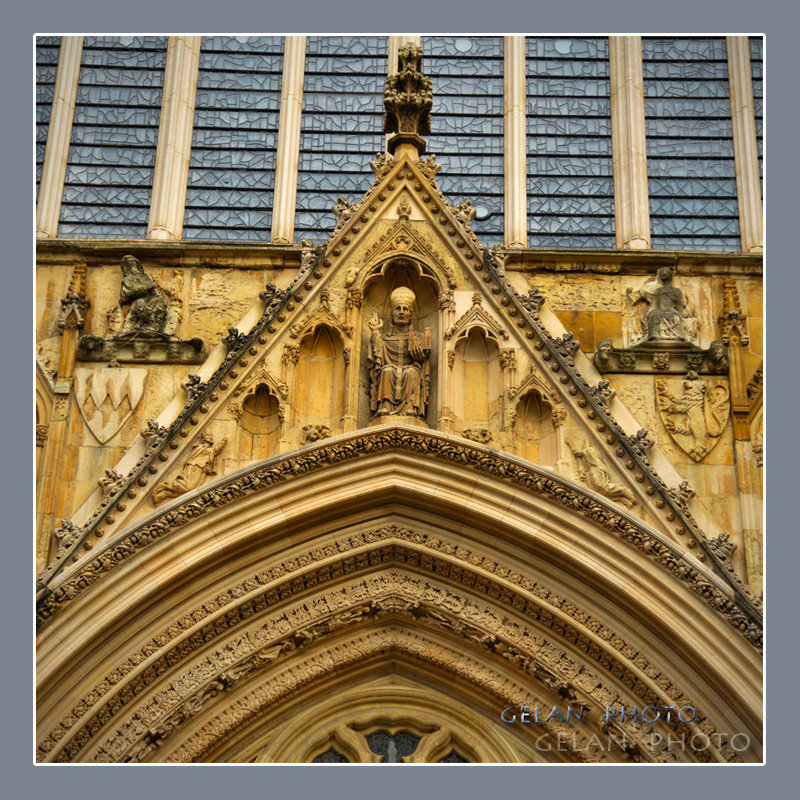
(375, 323)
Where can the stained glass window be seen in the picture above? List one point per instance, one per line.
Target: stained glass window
(234, 143)
(570, 168)
(393, 749)
(690, 163)
(112, 153)
(330, 756)
(757, 70)
(341, 126)
(467, 124)
(47, 48)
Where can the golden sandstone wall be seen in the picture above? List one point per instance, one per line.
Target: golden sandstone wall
(211, 288)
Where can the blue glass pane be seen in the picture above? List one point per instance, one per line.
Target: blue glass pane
(569, 161)
(47, 48)
(690, 160)
(340, 126)
(757, 68)
(112, 152)
(467, 124)
(235, 139)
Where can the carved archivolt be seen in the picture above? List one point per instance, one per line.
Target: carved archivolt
(445, 607)
(393, 439)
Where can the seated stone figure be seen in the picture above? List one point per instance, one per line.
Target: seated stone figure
(399, 361)
(148, 308)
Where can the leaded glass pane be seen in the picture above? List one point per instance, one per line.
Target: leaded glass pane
(232, 165)
(330, 756)
(467, 124)
(393, 749)
(112, 152)
(453, 758)
(340, 126)
(569, 160)
(757, 71)
(690, 161)
(47, 48)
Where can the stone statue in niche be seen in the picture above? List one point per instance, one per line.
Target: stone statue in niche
(660, 311)
(594, 473)
(201, 462)
(399, 361)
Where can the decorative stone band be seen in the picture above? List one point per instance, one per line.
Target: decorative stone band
(538, 645)
(425, 444)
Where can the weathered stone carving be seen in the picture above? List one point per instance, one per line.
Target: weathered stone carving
(145, 334)
(110, 483)
(148, 308)
(313, 433)
(663, 356)
(107, 397)
(201, 463)
(696, 417)
(594, 473)
(482, 436)
(75, 303)
(660, 311)
(732, 321)
(41, 435)
(343, 209)
(408, 98)
(399, 361)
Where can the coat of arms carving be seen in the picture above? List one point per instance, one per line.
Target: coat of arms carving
(107, 397)
(694, 412)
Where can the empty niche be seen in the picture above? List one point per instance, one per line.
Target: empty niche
(478, 384)
(260, 424)
(319, 379)
(534, 429)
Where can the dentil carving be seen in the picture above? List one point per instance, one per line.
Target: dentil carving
(399, 361)
(201, 462)
(696, 417)
(593, 472)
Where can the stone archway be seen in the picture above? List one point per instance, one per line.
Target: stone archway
(434, 542)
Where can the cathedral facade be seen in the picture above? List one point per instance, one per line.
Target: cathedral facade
(399, 399)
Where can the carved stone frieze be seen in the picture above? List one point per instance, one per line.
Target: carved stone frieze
(674, 358)
(694, 412)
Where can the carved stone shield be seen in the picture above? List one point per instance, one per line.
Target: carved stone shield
(107, 397)
(694, 411)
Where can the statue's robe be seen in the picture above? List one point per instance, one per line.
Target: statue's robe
(399, 382)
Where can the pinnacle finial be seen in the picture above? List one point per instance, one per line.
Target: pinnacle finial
(407, 101)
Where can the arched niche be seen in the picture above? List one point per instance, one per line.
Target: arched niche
(534, 430)
(260, 424)
(378, 288)
(319, 384)
(477, 381)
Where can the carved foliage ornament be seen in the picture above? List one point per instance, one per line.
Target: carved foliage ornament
(408, 96)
